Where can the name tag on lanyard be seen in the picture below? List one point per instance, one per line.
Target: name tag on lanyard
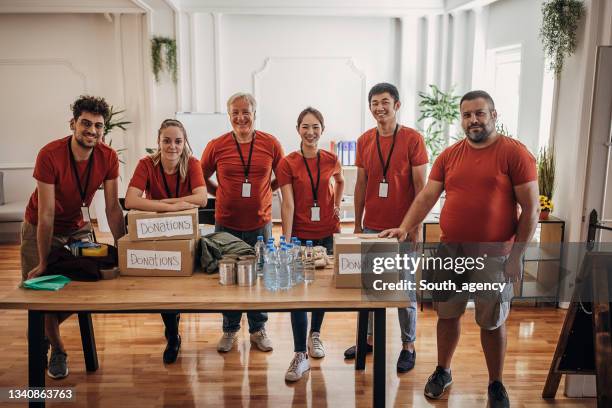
(315, 213)
(383, 189)
(246, 189)
(85, 213)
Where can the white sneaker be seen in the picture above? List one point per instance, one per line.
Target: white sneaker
(315, 345)
(298, 366)
(226, 342)
(261, 340)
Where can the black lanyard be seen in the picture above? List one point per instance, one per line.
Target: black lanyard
(82, 191)
(384, 165)
(312, 184)
(178, 176)
(245, 166)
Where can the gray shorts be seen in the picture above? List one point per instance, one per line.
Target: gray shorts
(492, 307)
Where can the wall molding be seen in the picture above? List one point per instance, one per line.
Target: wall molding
(69, 6)
(258, 74)
(47, 62)
(16, 166)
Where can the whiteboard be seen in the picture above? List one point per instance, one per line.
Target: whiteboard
(202, 128)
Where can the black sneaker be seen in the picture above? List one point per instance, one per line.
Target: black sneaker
(58, 366)
(172, 349)
(498, 397)
(350, 352)
(437, 383)
(406, 361)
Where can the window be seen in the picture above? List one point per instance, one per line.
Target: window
(503, 71)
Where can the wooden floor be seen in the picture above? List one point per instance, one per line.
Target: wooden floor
(132, 373)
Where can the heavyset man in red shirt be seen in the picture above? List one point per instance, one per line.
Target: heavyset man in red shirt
(243, 161)
(391, 164)
(68, 172)
(484, 175)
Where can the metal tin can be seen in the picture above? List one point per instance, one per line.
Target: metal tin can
(251, 258)
(245, 273)
(227, 272)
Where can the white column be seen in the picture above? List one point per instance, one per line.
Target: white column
(409, 67)
(481, 16)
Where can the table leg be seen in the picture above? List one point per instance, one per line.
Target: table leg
(378, 395)
(89, 342)
(362, 335)
(36, 352)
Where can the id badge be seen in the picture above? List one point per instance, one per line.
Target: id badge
(85, 213)
(383, 189)
(246, 189)
(315, 213)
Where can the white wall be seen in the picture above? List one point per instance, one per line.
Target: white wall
(526, 16)
(291, 62)
(56, 59)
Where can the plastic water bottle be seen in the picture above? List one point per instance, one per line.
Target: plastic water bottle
(259, 255)
(309, 266)
(270, 275)
(284, 274)
(298, 264)
(281, 241)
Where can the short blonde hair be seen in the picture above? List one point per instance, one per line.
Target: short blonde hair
(242, 95)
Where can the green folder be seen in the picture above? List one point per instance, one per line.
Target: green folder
(48, 282)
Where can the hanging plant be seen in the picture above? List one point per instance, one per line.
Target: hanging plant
(157, 43)
(560, 20)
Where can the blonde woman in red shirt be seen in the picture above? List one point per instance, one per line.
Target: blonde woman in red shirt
(171, 180)
(310, 211)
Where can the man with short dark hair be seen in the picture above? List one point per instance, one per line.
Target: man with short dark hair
(485, 176)
(391, 163)
(68, 172)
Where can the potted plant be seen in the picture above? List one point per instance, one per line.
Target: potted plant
(440, 110)
(560, 20)
(546, 181)
(110, 124)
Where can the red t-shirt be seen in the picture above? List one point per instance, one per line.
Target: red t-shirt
(409, 152)
(480, 204)
(291, 170)
(148, 178)
(221, 156)
(53, 167)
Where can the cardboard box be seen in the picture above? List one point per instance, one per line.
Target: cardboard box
(156, 258)
(152, 226)
(347, 257)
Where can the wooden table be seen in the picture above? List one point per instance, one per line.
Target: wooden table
(199, 293)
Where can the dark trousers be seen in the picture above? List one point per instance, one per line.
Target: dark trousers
(299, 326)
(171, 321)
(257, 320)
(327, 242)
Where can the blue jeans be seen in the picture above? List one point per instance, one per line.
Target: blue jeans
(327, 242)
(299, 326)
(257, 320)
(407, 316)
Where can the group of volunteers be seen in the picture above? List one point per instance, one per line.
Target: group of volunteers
(484, 176)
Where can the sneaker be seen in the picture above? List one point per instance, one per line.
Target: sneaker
(226, 342)
(172, 349)
(437, 383)
(406, 361)
(498, 397)
(351, 352)
(261, 340)
(298, 366)
(58, 367)
(315, 345)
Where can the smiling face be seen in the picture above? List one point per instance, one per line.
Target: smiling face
(384, 108)
(171, 142)
(477, 119)
(310, 130)
(241, 116)
(88, 129)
